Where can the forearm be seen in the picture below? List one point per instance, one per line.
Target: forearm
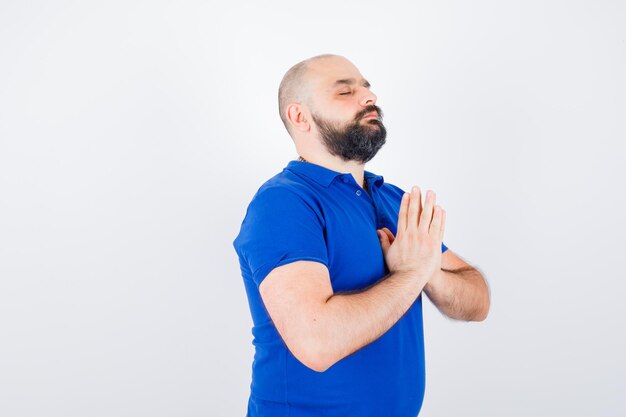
(460, 294)
(350, 321)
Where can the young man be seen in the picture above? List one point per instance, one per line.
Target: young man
(334, 260)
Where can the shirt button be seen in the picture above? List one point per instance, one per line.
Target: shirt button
(358, 192)
(344, 179)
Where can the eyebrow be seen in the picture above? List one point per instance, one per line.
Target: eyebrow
(350, 81)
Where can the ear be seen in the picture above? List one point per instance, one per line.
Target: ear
(297, 118)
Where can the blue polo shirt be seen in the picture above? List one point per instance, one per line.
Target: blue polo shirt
(308, 212)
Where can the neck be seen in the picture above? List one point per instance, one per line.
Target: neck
(355, 168)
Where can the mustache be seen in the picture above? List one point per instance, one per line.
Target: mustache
(370, 109)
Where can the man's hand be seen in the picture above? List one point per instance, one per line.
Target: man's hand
(417, 245)
(321, 327)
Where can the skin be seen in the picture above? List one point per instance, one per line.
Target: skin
(321, 327)
(329, 102)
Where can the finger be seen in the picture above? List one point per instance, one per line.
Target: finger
(427, 213)
(419, 211)
(390, 235)
(414, 201)
(443, 224)
(384, 241)
(435, 224)
(404, 204)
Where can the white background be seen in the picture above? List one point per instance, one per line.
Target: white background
(134, 134)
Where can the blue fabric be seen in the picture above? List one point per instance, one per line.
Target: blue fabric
(308, 212)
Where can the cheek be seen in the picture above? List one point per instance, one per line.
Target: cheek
(348, 113)
(338, 112)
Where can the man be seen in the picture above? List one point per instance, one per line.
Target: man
(334, 260)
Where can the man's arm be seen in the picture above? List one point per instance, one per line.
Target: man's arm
(320, 327)
(459, 290)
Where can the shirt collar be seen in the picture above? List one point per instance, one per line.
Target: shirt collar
(325, 176)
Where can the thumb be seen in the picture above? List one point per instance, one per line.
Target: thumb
(384, 241)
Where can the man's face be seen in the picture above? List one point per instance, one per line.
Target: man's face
(347, 118)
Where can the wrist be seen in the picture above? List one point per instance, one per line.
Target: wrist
(434, 281)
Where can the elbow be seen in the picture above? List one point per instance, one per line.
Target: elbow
(482, 316)
(316, 358)
(484, 311)
(485, 305)
(317, 365)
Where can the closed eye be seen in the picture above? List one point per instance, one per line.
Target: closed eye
(344, 94)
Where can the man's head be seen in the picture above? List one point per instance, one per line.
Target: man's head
(326, 99)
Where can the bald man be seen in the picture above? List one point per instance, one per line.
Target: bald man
(334, 261)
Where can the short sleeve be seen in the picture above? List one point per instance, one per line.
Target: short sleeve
(280, 227)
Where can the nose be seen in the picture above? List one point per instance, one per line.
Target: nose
(368, 98)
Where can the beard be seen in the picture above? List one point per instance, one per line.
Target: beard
(357, 140)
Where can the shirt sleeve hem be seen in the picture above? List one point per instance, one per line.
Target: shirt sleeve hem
(263, 271)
